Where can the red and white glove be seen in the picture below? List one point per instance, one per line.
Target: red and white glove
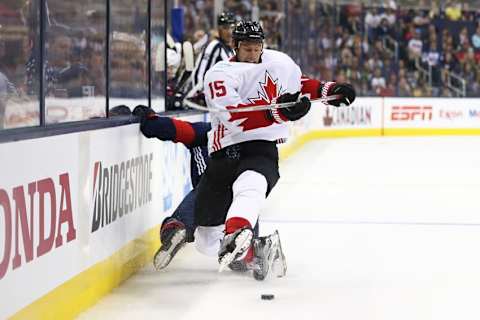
(344, 90)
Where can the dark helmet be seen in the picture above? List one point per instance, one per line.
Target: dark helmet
(225, 19)
(248, 31)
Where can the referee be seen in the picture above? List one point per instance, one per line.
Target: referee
(218, 49)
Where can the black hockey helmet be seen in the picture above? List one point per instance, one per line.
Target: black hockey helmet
(248, 31)
(226, 19)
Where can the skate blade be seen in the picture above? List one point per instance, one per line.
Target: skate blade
(163, 257)
(280, 267)
(280, 262)
(244, 237)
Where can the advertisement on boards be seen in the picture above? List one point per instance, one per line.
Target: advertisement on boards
(432, 113)
(363, 113)
(70, 201)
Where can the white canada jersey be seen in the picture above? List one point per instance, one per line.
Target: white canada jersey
(233, 85)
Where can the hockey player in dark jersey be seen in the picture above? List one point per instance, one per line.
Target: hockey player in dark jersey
(178, 228)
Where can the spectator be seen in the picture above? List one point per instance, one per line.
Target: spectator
(173, 62)
(415, 46)
(432, 34)
(404, 89)
(390, 66)
(470, 57)
(391, 89)
(365, 89)
(390, 16)
(354, 76)
(200, 40)
(378, 82)
(462, 53)
(463, 38)
(384, 29)
(325, 40)
(331, 60)
(470, 75)
(372, 21)
(7, 90)
(421, 19)
(419, 90)
(450, 62)
(341, 36)
(476, 39)
(354, 25)
(475, 86)
(432, 57)
(446, 93)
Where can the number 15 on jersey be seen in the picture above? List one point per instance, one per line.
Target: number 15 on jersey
(217, 89)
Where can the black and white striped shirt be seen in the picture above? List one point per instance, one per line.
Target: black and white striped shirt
(216, 51)
(7, 88)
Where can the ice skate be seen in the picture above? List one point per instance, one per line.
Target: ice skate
(267, 254)
(173, 237)
(234, 247)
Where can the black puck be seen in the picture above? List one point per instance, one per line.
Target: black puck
(267, 296)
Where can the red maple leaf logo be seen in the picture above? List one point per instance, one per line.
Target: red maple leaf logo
(257, 119)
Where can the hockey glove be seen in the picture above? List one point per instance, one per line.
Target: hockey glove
(143, 112)
(154, 126)
(292, 113)
(345, 90)
(121, 110)
(162, 128)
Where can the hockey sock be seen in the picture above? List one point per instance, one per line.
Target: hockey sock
(235, 223)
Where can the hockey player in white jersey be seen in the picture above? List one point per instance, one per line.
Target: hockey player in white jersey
(243, 146)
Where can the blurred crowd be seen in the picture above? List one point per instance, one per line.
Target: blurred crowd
(74, 45)
(413, 48)
(390, 51)
(432, 49)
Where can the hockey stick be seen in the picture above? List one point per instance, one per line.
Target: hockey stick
(273, 106)
(188, 58)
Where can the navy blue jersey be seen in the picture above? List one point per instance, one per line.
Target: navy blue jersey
(198, 151)
(191, 134)
(198, 163)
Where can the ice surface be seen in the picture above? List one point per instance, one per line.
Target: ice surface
(372, 228)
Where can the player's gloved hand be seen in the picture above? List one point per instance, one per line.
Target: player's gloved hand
(345, 90)
(121, 110)
(288, 97)
(162, 128)
(295, 112)
(143, 112)
(298, 110)
(154, 126)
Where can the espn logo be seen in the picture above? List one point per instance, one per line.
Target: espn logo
(411, 113)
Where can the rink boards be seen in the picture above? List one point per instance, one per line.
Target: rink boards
(78, 215)
(387, 117)
(83, 214)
